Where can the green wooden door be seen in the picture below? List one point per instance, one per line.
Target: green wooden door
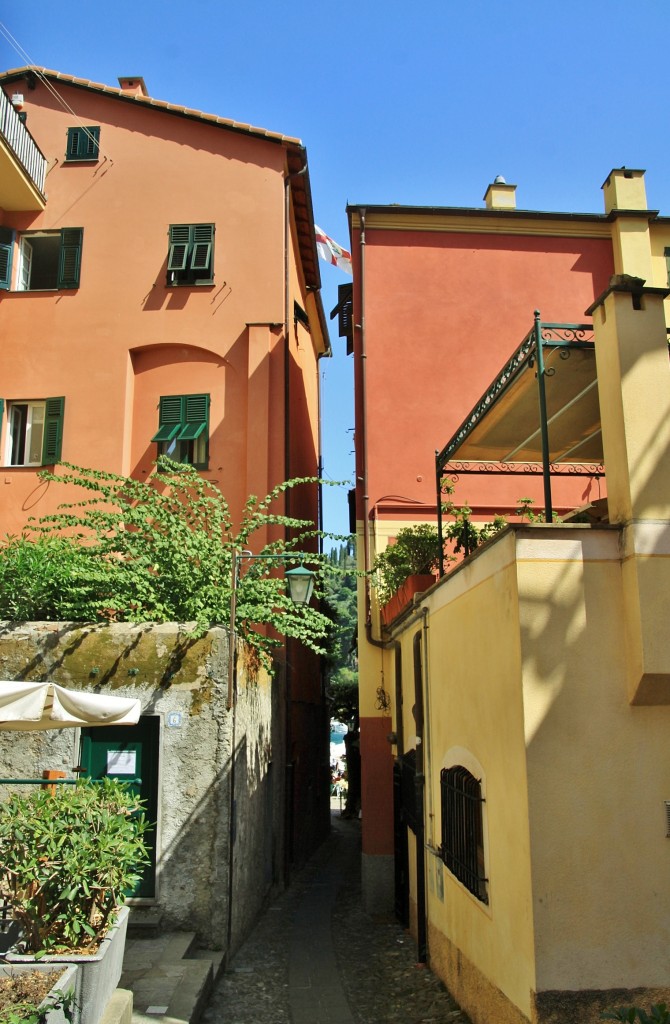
(129, 753)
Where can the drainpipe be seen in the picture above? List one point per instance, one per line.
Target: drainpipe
(287, 320)
(289, 781)
(428, 744)
(364, 446)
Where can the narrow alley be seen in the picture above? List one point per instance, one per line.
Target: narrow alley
(316, 957)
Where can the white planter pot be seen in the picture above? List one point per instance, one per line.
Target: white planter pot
(52, 1004)
(97, 975)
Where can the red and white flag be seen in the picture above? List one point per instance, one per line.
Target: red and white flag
(331, 252)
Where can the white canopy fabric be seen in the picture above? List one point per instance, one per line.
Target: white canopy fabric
(27, 707)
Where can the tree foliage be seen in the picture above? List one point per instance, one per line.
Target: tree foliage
(161, 550)
(342, 668)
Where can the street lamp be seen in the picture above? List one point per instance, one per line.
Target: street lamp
(300, 584)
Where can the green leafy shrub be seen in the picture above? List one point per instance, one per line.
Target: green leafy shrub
(159, 550)
(658, 1014)
(66, 860)
(416, 551)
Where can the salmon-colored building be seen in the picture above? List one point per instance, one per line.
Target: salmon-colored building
(159, 293)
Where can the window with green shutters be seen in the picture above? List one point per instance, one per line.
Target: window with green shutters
(83, 143)
(6, 248)
(191, 254)
(49, 260)
(183, 429)
(34, 432)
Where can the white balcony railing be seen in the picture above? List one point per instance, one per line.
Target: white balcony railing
(19, 139)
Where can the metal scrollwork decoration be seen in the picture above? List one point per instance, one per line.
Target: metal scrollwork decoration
(383, 702)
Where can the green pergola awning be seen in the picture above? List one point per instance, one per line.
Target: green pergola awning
(511, 431)
(539, 414)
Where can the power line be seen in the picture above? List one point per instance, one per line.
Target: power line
(25, 57)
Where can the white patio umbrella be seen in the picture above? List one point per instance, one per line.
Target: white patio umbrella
(27, 707)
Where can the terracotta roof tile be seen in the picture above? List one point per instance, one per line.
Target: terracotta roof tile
(295, 153)
(148, 101)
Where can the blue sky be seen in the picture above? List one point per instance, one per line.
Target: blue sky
(414, 103)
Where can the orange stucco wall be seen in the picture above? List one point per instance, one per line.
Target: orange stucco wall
(443, 312)
(113, 346)
(376, 786)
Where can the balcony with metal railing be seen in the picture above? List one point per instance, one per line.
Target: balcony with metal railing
(23, 166)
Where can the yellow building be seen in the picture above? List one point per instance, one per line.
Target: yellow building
(529, 689)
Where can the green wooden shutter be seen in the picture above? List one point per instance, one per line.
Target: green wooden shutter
(203, 235)
(196, 417)
(180, 239)
(170, 417)
(83, 143)
(92, 142)
(6, 246)
(69, 267)
(53, 430)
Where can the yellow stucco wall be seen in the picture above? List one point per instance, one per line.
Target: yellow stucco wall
(474, 716)
(525, 683)
(598, 774)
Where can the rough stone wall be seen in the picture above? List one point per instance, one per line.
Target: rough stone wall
(171, 671)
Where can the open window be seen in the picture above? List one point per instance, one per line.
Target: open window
(34, 432)
(183, 429)
(191, 254)
(49, 260)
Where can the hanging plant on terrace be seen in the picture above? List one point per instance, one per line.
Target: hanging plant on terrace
(160, 550)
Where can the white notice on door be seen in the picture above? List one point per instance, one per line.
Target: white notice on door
(121, 762)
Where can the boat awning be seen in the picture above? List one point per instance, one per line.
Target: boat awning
(28, 707)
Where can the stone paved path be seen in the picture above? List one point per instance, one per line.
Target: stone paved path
(317, 958)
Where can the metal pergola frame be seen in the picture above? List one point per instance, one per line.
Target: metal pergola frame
(504, 394)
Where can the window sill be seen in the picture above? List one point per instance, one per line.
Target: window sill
(189, 284)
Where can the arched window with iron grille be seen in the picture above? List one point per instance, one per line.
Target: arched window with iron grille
(462, 848)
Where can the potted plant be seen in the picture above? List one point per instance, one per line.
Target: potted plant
(37, 994)
(409, 564)
(67, 859)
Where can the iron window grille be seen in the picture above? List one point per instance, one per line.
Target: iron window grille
(462, 848)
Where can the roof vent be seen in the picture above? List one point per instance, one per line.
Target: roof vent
(499, 180)
(134, 86)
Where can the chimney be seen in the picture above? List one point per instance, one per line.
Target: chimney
(624, 190)
(500, 196)
(133, 86)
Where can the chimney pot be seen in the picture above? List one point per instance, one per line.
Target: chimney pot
(134, 85)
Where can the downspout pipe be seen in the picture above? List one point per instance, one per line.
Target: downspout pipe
(288, 732)
(287, 320)
(367, 561)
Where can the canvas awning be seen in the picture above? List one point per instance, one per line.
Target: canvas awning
(28, 707)
(541, 413)
(511, 430)
(506, 425)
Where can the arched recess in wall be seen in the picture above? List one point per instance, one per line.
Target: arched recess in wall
(178, 393)
(464, 846)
